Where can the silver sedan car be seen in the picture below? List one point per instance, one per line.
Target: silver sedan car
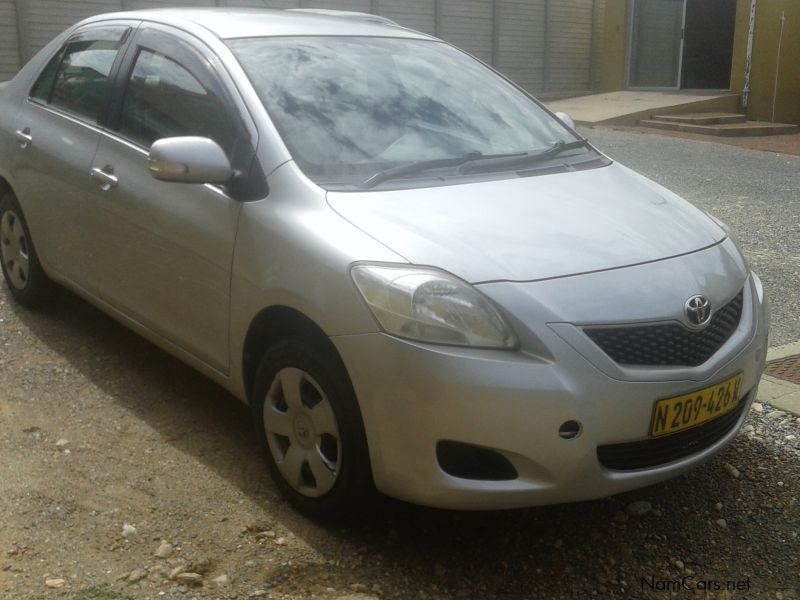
(422, 281)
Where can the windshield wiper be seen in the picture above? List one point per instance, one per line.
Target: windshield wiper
(472, 162)
(426, 165)
(524, 159)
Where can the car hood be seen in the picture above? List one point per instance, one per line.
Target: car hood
(532, 228)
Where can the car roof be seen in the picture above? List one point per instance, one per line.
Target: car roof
(229, 23)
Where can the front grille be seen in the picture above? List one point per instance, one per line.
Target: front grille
(668, 344)
(659, 451)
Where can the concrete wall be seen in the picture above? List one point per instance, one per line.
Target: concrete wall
(9, 39)
(765, 52)
(550, 47)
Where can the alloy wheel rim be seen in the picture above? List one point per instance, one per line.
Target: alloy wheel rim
(14, 250)
(302, 432)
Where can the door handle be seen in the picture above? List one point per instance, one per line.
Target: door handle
(105, 177)
(24, 137)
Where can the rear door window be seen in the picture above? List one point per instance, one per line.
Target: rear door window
(77, 80)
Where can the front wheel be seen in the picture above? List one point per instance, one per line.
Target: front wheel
(23, 273)
(308, 422)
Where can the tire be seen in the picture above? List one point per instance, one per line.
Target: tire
(27, 281)
(307, 421)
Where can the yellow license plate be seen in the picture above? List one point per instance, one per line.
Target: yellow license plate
(684, 412)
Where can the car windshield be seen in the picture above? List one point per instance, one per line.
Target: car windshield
(351, 108)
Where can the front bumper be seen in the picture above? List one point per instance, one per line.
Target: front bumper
(414, 395)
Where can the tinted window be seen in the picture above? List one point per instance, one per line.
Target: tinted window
(164, 99)
(81, 83)
(348, 107)
(44, 85)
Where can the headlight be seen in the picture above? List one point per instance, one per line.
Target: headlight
(428, 305)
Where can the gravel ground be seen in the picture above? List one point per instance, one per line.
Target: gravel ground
(782, 144)
(127, 475)
(756, 193)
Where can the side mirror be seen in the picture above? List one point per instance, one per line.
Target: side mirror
(189, 160)
(566, 119)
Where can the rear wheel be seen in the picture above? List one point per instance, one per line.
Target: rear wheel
(308, 422)
(23, 273)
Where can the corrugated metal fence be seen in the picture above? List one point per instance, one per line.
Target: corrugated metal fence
(550, 47)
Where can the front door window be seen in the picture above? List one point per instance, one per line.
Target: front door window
(164, 99)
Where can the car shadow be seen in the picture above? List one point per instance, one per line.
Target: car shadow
(154, 386)
(513, 553)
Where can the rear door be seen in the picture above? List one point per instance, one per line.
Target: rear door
(57, 131)
(163, 251)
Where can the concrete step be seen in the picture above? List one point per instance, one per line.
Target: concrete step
(709, 118)
(748, 128)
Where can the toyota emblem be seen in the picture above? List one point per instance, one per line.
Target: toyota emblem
(698, 311)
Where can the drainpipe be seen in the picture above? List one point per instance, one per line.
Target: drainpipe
(547, 41)
(748, 61)
(778, 66)
(495, 33)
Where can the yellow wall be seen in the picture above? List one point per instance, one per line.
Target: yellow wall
(765, 51)
(787, 105)
(615, 42)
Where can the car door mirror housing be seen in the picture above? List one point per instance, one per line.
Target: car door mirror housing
(189, 160)
(566, 119)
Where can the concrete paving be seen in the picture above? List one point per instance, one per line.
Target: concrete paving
(782, 394)
(628, 107)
